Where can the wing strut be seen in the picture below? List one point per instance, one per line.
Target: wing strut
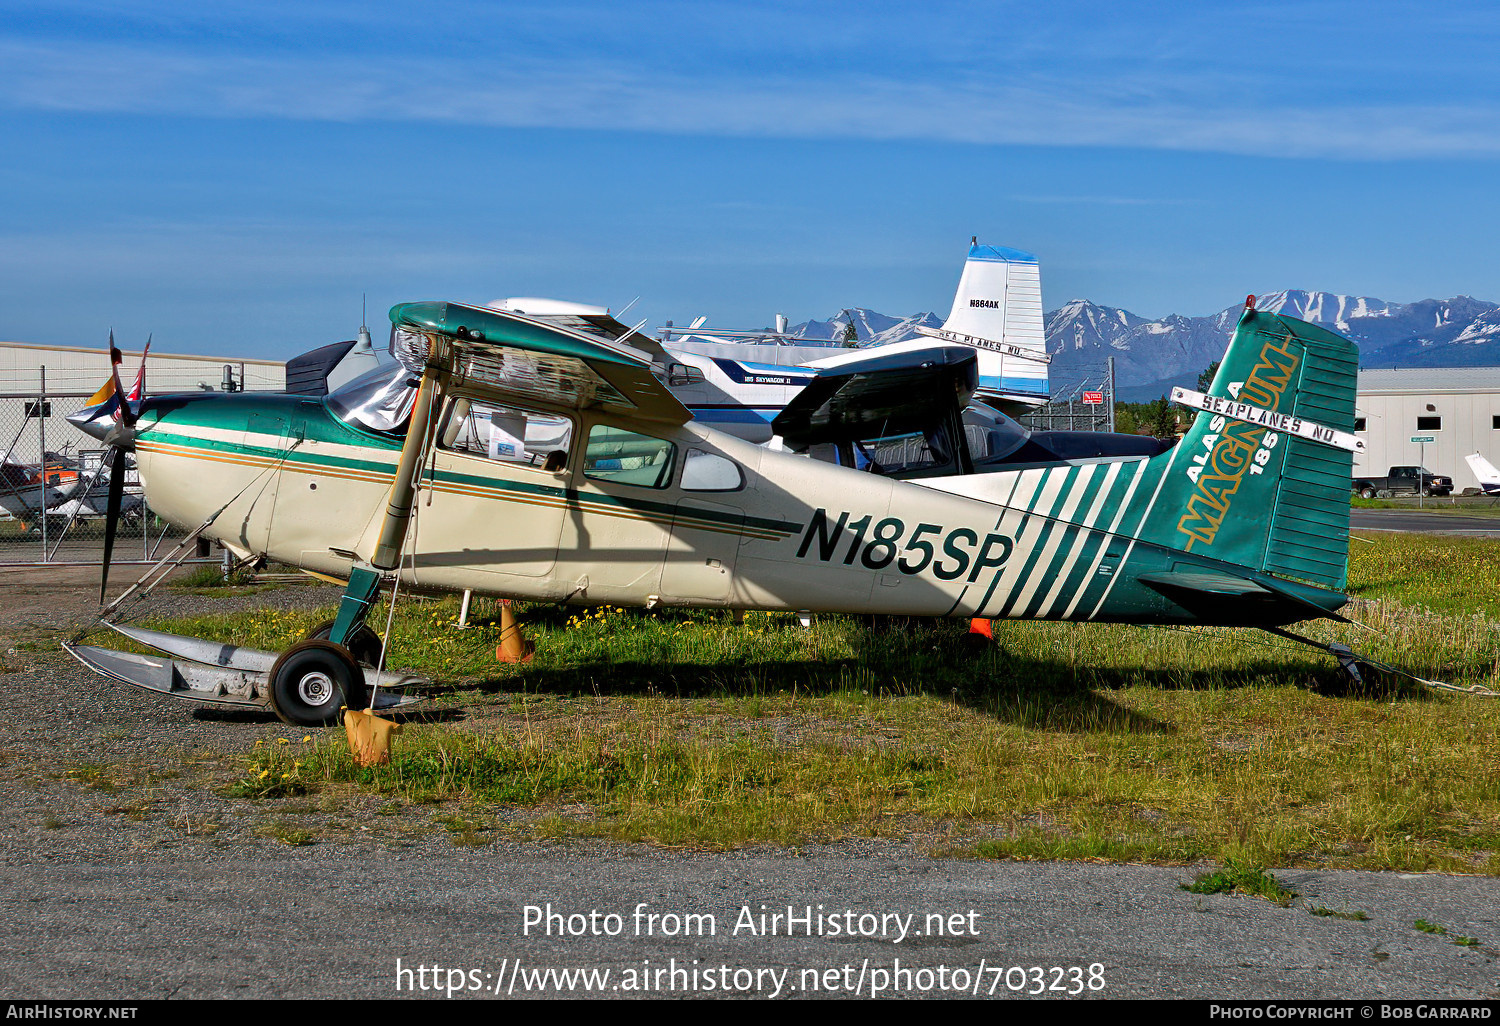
(369, 735)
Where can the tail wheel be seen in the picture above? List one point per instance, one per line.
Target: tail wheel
(364, 646)
(312, 679)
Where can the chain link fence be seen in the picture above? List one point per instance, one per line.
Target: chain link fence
(54, 488)
(1084, 405)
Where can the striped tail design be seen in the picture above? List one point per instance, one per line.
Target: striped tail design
(1246, 493)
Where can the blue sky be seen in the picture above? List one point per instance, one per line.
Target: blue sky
(232, 177)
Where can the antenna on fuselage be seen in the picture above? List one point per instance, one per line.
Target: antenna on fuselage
(364, 332)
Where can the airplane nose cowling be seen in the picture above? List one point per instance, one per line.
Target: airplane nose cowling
(93, 428)
(105, 429)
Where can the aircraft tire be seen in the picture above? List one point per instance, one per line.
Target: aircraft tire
(311, 680)
(364, 646)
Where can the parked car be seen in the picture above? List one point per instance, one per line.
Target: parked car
(1402, 481)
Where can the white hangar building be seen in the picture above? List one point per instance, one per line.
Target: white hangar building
(1458, 407)
(66, 376)
(70, 369)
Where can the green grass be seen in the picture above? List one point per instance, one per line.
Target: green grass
(209, 580)
(287, 834)
(1242, 878)
(1430, 574)
(1093, 741)
(1354, 916)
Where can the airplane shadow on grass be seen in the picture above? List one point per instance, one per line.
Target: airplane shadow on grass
(899, 657)
(905, 657)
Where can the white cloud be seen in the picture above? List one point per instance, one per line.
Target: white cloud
(1155, 111)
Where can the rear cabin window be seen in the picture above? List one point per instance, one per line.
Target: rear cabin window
(709, 472)
(506, 434)
(627, 457)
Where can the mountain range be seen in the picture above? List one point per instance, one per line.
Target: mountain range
(1153, 355)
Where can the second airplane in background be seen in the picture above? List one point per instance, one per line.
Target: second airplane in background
(739, 381)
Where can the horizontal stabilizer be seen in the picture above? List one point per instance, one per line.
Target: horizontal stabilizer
(1225, 600)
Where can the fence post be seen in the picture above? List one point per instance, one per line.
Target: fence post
(1111, 394)
(41, 422)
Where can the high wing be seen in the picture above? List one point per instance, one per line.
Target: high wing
(594, 321)
(532, 358)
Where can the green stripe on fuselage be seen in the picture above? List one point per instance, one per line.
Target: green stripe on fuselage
(310, 419)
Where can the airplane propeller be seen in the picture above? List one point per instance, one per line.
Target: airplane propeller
(120, 437)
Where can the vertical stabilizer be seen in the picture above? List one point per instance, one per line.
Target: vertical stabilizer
(1262, 477)
(1485, 473)
(999, 299)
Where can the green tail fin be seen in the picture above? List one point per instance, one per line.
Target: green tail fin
(1263, 498)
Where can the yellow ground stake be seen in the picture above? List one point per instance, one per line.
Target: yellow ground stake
(369, 736)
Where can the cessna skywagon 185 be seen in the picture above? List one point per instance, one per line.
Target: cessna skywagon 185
(517, 456)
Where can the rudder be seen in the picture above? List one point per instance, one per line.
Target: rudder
(1250, 485)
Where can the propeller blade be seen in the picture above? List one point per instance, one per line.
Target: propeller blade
(124, 413)
(112, 512)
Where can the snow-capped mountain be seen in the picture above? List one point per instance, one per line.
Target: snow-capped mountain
(1153, 355)
(870, 328)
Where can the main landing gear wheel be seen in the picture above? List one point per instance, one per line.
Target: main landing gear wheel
(364, 646)
(312, 679)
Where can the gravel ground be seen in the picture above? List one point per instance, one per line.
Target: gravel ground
(125, 875)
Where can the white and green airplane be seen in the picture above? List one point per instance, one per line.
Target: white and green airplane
(540, 461)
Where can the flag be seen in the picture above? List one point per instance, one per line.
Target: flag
(139, 388)
(108, 397)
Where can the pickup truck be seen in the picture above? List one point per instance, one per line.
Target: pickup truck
(1402, 481)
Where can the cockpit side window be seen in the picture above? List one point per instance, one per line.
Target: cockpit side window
(626, 457)
(506, 433)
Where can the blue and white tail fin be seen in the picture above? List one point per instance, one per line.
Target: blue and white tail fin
(1485, 473)
(998, 311)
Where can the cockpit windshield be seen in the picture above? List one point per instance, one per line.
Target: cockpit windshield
(992, 436)
(378, 400)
